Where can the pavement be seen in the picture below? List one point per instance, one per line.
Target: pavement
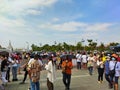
(80, 80)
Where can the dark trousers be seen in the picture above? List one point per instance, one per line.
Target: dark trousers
(107, 77)
(25, 75)
(50, 85)
(78, 65)
(100, 74)
(111, 77)
(8, 74)
(66, 80)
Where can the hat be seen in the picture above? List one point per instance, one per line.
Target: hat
(114, 55)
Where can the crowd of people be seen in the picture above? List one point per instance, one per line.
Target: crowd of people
(105, 64)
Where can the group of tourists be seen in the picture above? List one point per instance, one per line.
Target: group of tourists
(6, 63)
(112, 70)
(105, 64)
(108, 64)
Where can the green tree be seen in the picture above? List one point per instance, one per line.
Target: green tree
(113, 44)
(46, 47)
(65, 46)
(34, 47)
(79, 46)
(102, 47)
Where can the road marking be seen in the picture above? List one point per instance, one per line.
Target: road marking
(58, 78)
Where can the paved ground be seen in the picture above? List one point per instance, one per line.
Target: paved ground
(81, 80)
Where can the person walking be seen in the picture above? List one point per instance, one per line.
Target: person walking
(84, 60)
(4, 67)
(90, 64)
(14, 69)
(66, 71)
(9, 68)
(100, 67)
(25, 74)
(51, 75)
(112, 65)
(107, 74)
(79, 60)
(117, 75)
(34, 69)
(25, 68)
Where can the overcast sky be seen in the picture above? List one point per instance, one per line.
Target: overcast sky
(70, 21)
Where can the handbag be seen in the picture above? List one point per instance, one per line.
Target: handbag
(112, 72)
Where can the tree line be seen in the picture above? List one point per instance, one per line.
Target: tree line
(92, 45)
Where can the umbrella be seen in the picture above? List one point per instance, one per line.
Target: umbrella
(4, 53)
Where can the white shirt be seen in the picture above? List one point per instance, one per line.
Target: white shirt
(100, 63)
(51, 75)
(84, 58)
(79, 56)
(10, 60)
(111, 65)
(33, 59)
(14, 63)
(90, 58)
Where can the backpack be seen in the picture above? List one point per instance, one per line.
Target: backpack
(35, 71)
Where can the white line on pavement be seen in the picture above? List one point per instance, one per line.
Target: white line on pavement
(58, 78)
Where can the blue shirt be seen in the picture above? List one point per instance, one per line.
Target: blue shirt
(106, 67)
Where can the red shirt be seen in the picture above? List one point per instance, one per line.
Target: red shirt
(118, 59)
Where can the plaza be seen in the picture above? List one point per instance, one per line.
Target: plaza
(80, 80)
